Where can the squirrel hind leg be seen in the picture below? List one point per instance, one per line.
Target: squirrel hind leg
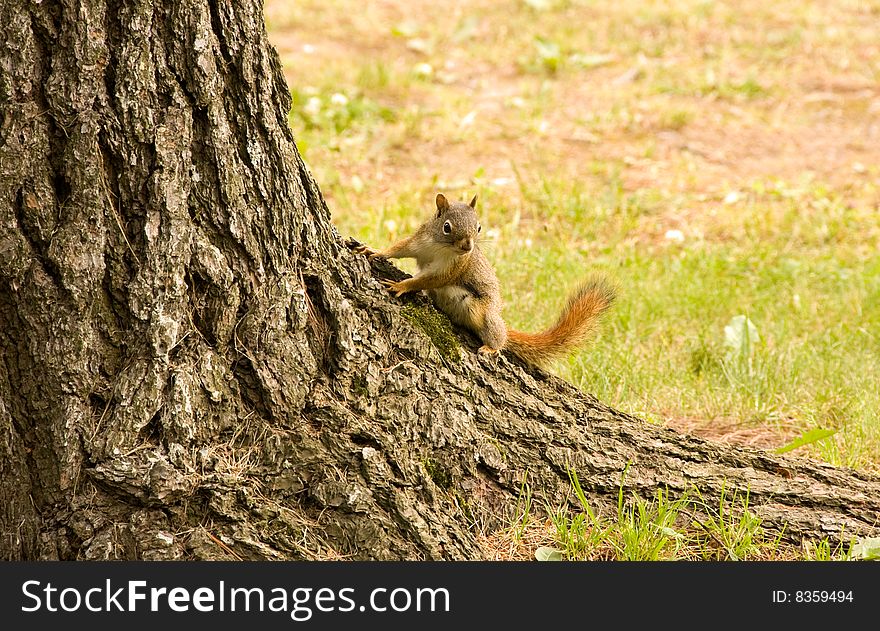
(493, 332)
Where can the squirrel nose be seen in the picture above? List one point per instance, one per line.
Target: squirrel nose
(466, 245)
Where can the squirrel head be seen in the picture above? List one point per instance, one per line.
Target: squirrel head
(456, 224)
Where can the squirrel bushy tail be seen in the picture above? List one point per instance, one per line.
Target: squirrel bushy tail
(571, 329)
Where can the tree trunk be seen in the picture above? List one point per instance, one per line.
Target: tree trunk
(195, 366)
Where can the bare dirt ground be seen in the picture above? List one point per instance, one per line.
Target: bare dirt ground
(819, 122)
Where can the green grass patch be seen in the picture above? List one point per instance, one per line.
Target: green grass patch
(670, 528)
(661, 351)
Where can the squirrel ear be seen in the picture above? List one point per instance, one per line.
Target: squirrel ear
(442, 204)
(474, 202)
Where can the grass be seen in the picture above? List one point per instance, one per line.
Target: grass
(662, 528)
(715, 160)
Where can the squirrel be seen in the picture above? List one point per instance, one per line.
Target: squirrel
(463, 284)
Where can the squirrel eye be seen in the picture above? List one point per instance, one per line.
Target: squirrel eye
(447, 228)
(479, 227)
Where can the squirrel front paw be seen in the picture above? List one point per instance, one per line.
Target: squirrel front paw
(370, 252)
(396, 288)
(486, 350)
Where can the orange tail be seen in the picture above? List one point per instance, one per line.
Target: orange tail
(572, 328)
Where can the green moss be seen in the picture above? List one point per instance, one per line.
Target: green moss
(463, 503)
(440, 475)
(359, 386)
(436, 326)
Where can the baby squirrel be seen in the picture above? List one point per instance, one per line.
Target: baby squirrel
(463, 285)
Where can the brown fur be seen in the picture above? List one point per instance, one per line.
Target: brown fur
(463, 285)
(571, 329)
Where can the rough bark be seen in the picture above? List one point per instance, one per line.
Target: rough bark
(195, 366)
